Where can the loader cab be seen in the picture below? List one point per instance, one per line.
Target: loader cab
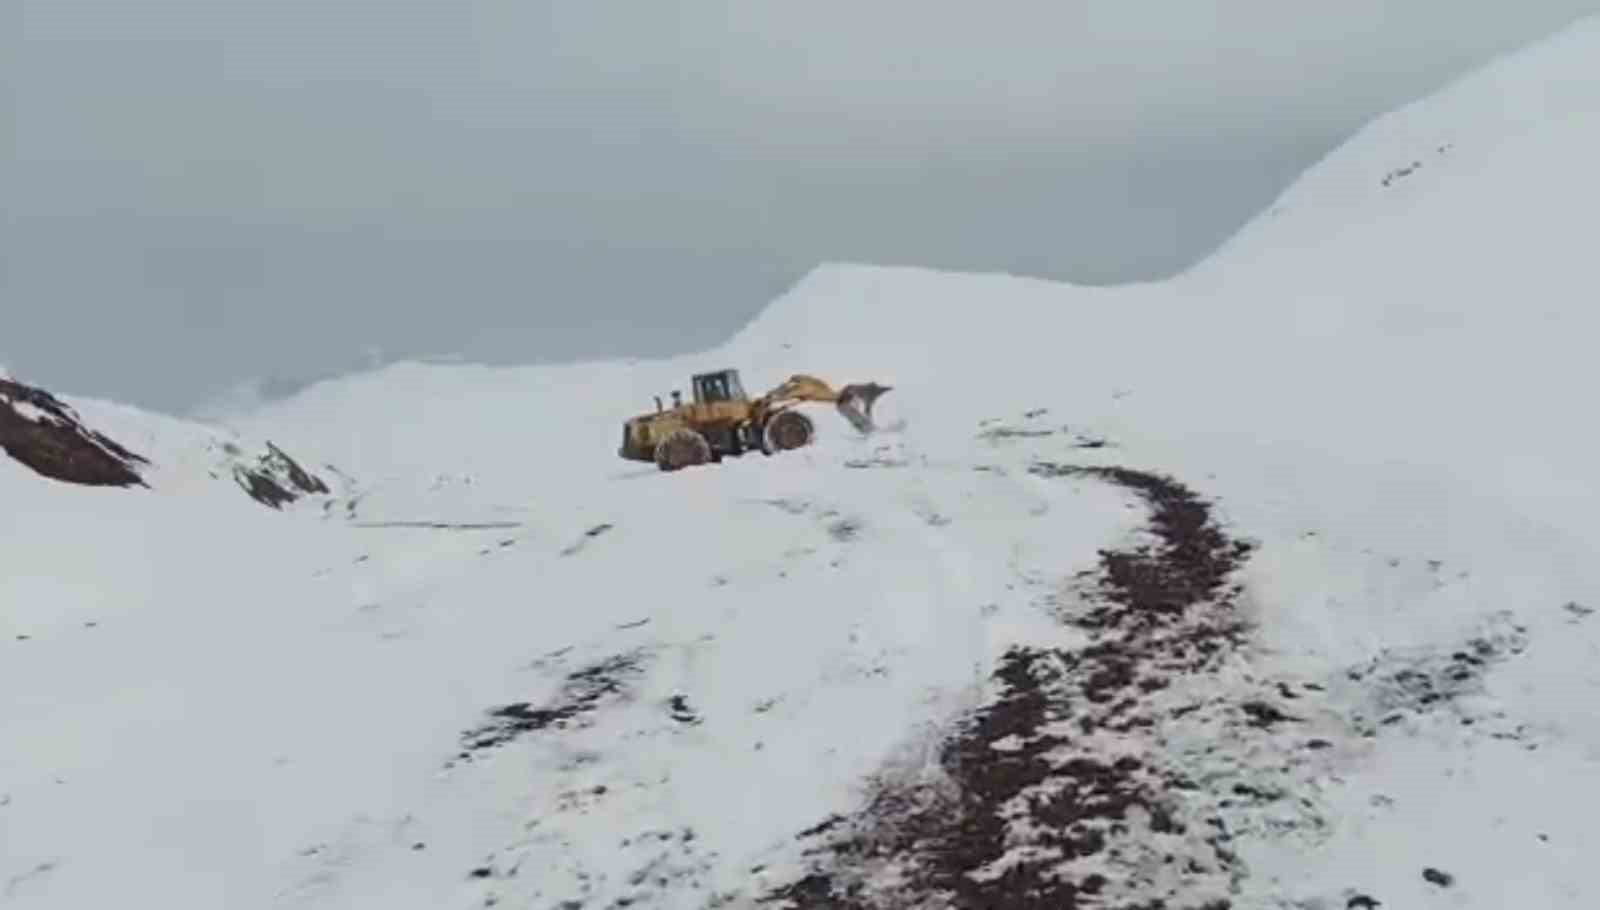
(723, 385)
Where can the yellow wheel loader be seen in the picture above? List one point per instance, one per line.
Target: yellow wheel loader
(722, 420)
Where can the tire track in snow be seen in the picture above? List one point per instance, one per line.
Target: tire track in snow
(1077, 786)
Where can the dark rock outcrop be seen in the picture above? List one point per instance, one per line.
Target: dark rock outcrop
(275, 479)
(45, 434)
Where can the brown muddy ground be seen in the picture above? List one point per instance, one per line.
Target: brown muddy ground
(1039, 807)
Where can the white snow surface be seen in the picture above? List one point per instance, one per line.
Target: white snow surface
(1384, 382)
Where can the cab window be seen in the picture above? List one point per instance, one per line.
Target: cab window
(713, 388)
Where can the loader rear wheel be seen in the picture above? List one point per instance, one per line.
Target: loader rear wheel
(788, 430)
(682, 448)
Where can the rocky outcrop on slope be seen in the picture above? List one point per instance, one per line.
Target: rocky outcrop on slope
(43, 433)
(274, 479)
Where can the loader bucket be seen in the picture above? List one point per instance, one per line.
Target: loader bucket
(855, 404)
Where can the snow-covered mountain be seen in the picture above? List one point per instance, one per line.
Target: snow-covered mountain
(1268, 586)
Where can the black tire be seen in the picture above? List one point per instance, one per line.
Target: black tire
(787, 430)
(683, 448)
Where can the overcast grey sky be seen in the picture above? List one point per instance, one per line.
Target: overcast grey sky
(194, 193)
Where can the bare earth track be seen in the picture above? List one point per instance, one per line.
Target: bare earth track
(1055, 791)
(1126, 767)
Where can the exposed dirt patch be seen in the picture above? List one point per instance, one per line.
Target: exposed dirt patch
(17, 882)
(581, 693)
(789, 506)
(1002, 432)
(1057, 794)
(1263, 715)
(583, 541)
(883, 456)
(678, 707)
(845, 530)
(996, 432)
(1404, 685)
(444, 526)
(655, 867)
(45, 434)
(1437, 877)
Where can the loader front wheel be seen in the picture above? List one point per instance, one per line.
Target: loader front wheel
(682, 448)
(788, 430)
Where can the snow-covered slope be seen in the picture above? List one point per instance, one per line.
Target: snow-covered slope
(109, 509)
(1481, 188)
(1270, 584)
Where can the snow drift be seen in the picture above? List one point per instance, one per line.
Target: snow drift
(1269, 585)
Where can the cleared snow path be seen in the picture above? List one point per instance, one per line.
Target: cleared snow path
(1080, 785)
